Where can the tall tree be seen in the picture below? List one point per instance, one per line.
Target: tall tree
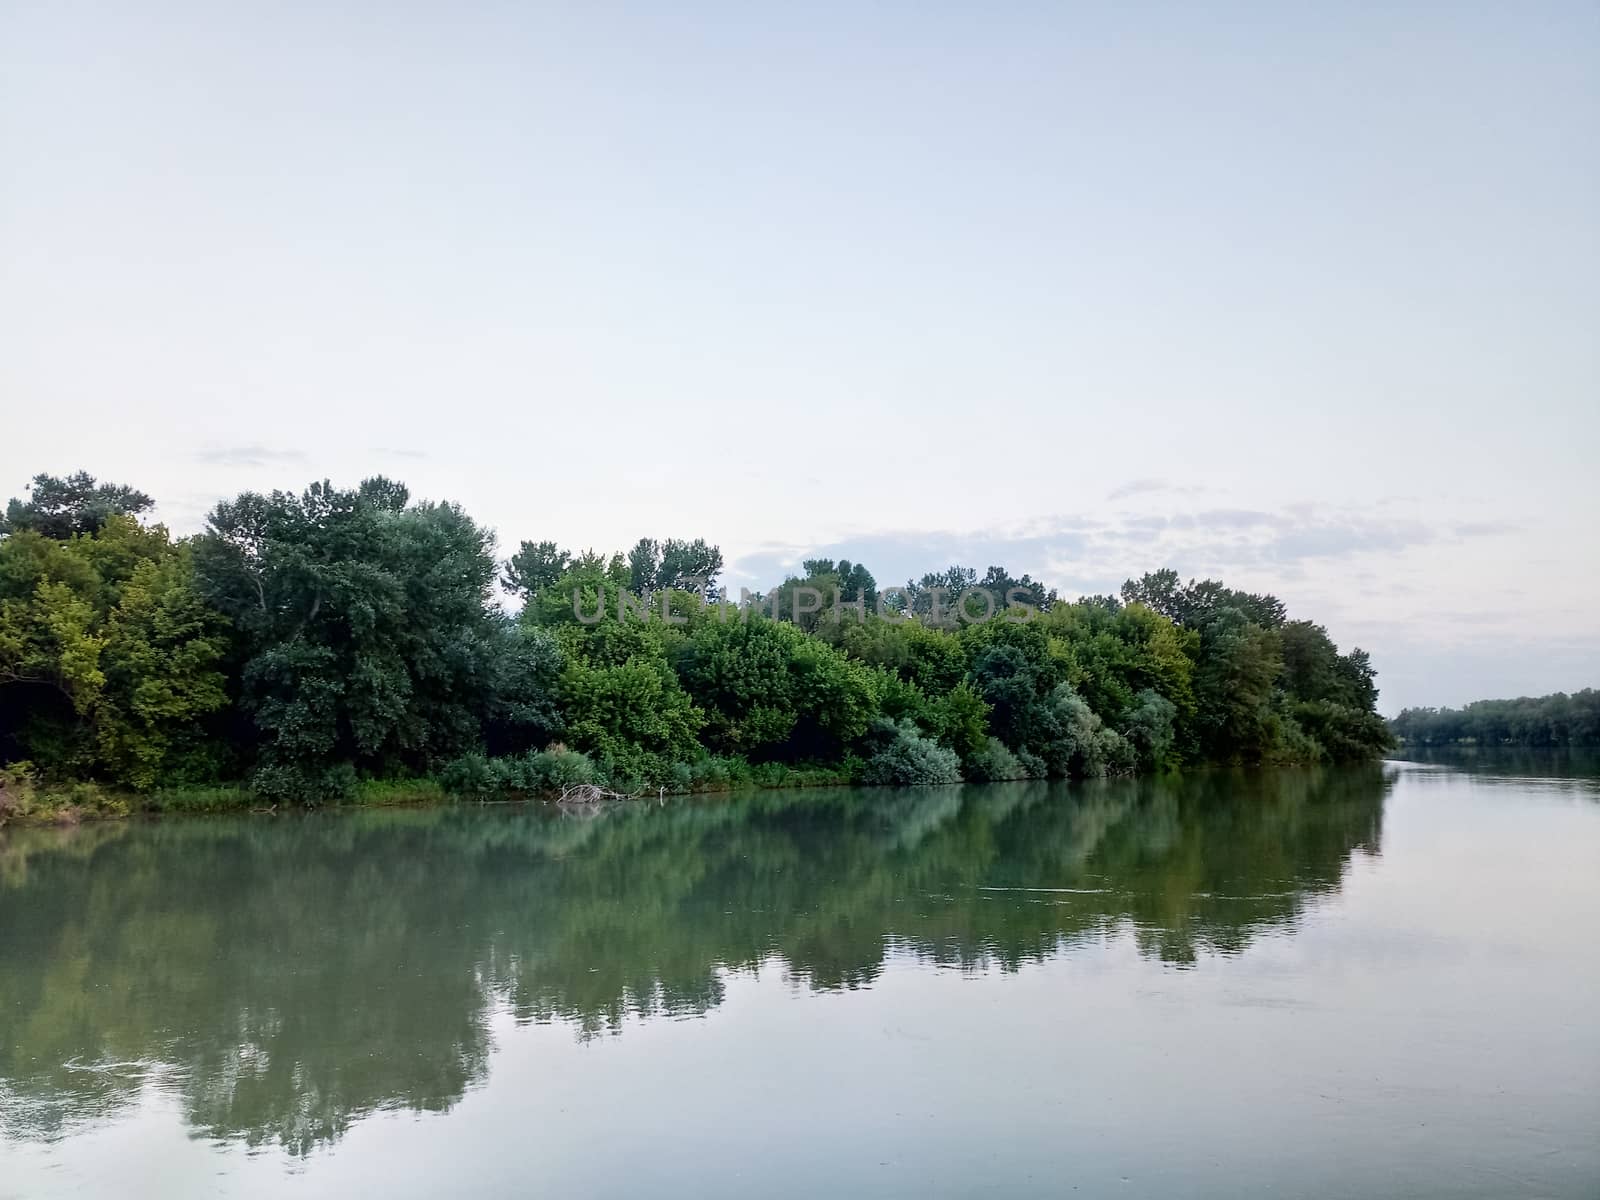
(59, 508)
(367, 627)
(535, 566)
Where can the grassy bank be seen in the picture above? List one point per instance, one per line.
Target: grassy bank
(28, 800)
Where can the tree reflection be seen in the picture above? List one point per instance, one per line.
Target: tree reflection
(286, 976)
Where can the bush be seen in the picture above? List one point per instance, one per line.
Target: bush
(1344, 734)
(1290, 744)
(471, 775)
(71, 802)
(1117, 753)
(200, 799)
(716, 774)
(1080, 746)
(538, 772)
(1149, 728)
(397, 791)
(305, 784)
(555, 769)
(907, 758)
(993, 763)
(1032, 764)
(17, 796)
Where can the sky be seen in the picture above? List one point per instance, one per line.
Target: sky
(1304, 297)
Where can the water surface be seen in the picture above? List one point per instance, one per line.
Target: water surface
(1379, 981)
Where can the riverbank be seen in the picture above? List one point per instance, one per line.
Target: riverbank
(28, 802)
(25, 800)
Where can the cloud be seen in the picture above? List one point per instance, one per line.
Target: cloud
(1137, 487)
(1476, 668)
(1469, 529)
(1082, 555)
(1345, 537)
(249, 456)
(896, 557)
(1076, 549)
(1147, 487)
(1399, 586)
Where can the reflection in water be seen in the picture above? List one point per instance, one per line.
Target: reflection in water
(285, 976)
(1573, 770)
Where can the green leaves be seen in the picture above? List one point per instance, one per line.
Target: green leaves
(162, 655)
(112, 625)
(368, 634)
(356, 632)
(59, 508)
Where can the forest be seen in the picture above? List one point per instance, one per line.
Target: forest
(1554, 720)
(340, 645)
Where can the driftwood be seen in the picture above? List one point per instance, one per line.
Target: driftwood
(589, 793)
(582, 795)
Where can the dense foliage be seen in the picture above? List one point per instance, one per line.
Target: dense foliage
(304, 643)
(1557, 720)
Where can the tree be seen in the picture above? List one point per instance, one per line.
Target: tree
(1195, 604)
(1554, 720)
(675, 563)
(161, 659)
(521, 707)
(58, 508)
(534, 567)
(1010, 589)
(692, 566)
(367, 628)
(109, 659)
(1234, 685)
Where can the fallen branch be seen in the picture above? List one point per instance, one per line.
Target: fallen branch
(590, 793)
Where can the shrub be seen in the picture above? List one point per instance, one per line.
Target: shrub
(397, 791)
(305, 784)
(993, 763)
(1117, 753)
(1032, 764)
(554, 769)
(200, 799)
(17, 797)
(1080, 746)
(1290, 743)
(1345, 734)
(908, 758)
(716, 773)
(72, 802)
(470, 775)
(1149, 728)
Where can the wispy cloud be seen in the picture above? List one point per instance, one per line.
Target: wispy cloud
(1069, 549)
(249, 456)
(1368, 572)
(1470, 529)
(1149, 487)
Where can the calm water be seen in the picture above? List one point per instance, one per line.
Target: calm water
(1371, 982)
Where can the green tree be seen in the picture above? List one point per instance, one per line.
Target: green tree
(534, 567)
(366, 626)
(161, 659)
(59, 508)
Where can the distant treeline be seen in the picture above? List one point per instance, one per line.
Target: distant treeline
(1555, 720)
(305, 645)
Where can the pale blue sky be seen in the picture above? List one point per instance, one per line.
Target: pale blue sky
(1300, 295)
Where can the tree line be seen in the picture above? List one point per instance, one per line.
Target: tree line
(307, 643)
(1554, 720)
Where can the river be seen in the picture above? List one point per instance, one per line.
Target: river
(1319, 983)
